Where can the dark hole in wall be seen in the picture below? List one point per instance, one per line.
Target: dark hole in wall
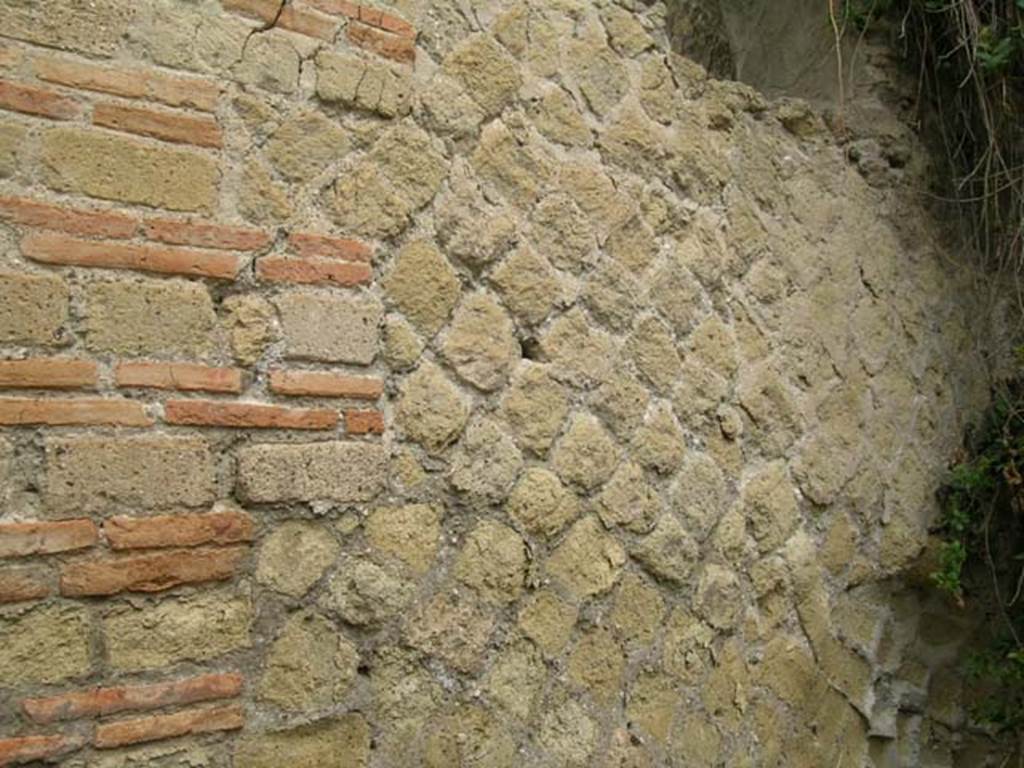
(780, 47)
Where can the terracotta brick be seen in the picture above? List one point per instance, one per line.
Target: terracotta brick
(156, 727)
(25, 749)
(364, 422)
(45, 538)
(179, 128)
(382, 43)
(149, 573)
(186, 377)
(386, 22)
(280, 269)
(290, 17)
(178, 530)
(53, 248)
(23, 412)
(74, 221)
(310, 245)
(207, 413)
(205, 234)
(10, 56)
(322, 384)
(48, 373)
(100, 702)
(371, 16)
(17, 97)
(18, 585)
(175, 91)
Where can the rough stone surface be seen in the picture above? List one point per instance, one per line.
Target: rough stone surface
(47, 645)
(493, 562)
(535, 406)
(585, 455)
(486, 464)
(344, 740)
(175, 630)
(336, 471)
(112, 167)
(409, 534)
(329, 327)
(431, 410)
(309, 665)
(34, 309)
(588, 561)
(151, 318)
(481, 343)
(295, 556)
(541, 504)
(99, 475)
(423, 286)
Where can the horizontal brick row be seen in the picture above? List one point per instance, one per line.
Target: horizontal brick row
(158, 727)
(230, 527)
(208, 413)
(176, 127)
(110, 735)
(312, 245)
(133, 83)
(369, 16)
(177, 562)
(364, 422)
(71, 373)
(101, 702)
(46, 538)
(186, 377)
(323, 384)
(19, 584)
(40, 102)
(39, 537)
(25, 749)
(110, 412)
(55, 248)
(48, 373)
(149, 573)
(118, 226)
(281, 269)
(398, 47)
(29, 412)
(286, 16)
(165, 125)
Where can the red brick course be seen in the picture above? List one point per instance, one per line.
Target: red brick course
(178, 530)
(280, 269)
(48, 373)
(24, 412)
(20, 584)
(39, 102)
(180, 128)
(322, 384)
(289, 17)
(24, 749)
(156, 727)
(149, 573)
(208, 413)
(204, 234)
(391, 46)
(172, 90)
(186, 377)
(45, 538)
(100, 702)
(311, 245)
(364, 422)
(74, 221)
(53, 248)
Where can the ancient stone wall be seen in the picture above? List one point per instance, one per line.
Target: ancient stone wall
(454, 384)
